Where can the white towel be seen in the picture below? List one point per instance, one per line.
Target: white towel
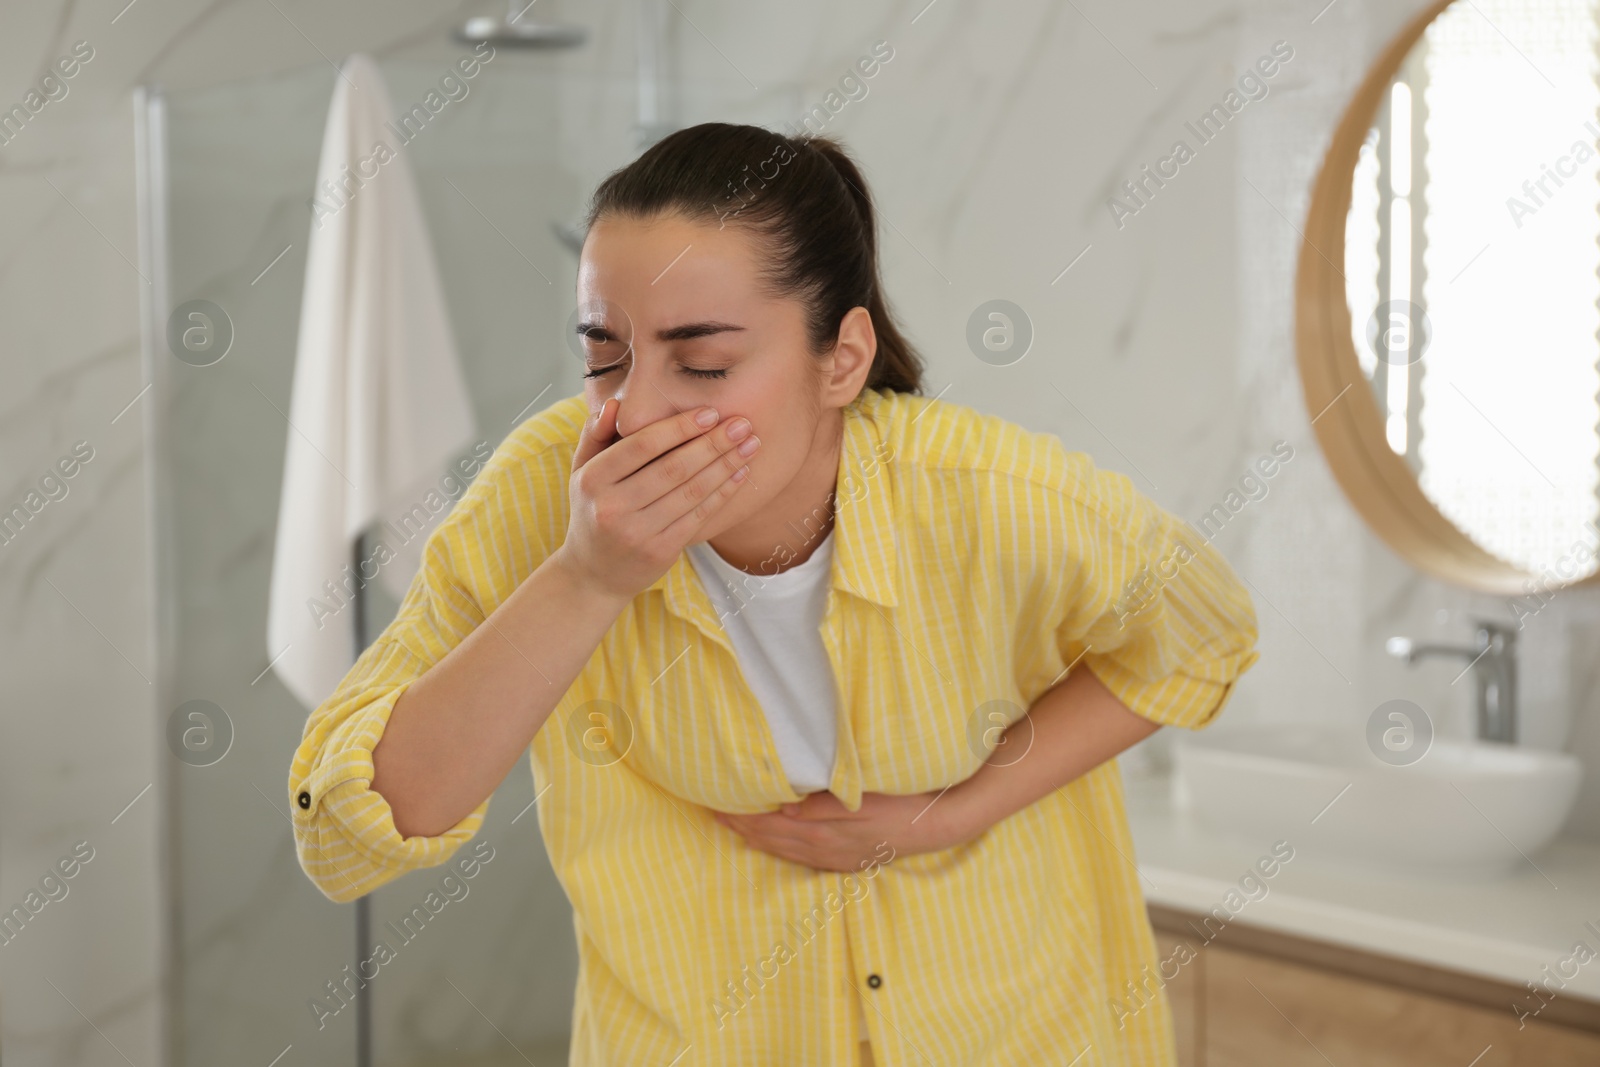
(379, 406)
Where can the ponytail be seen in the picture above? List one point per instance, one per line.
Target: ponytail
(896, 365)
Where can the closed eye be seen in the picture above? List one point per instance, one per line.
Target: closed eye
(720, 372)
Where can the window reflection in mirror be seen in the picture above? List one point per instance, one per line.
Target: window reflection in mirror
(1472, 270)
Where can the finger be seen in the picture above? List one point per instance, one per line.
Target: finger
(819, 807)
(822, 805)
(761, 823)
(770, 828)
(792, 837)
(698, 500)
(739, 824)
(597, 433)
(682, 477)
(628, 456)
(793, 851)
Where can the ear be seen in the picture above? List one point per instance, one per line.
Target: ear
(849, 365)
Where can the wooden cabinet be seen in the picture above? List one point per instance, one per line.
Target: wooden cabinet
(1252, 998)
(1262, 1011)
(1184, 997)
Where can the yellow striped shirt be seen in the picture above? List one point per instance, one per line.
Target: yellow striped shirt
(974, 562)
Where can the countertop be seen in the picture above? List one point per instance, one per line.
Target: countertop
(1508, 929)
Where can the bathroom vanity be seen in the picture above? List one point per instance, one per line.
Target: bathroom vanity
(1323, 961)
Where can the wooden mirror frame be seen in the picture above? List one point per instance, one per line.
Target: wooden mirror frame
(1345, 414)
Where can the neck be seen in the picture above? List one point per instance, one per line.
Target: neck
(786, 532)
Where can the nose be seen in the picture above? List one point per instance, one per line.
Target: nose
(640, 401)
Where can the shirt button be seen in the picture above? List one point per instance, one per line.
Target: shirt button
(874, 981)
(305, 800)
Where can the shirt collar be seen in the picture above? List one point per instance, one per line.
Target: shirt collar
(864, 553)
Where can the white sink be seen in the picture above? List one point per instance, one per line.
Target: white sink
(1475, 810)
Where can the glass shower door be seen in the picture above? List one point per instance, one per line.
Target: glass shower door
(262, 961)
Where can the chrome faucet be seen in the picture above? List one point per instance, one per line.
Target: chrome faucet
(1493, 662)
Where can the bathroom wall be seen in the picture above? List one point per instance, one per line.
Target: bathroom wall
(256, 940)
(993, 138)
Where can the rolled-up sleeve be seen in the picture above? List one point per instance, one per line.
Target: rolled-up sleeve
(1154, 610)
(344, 831)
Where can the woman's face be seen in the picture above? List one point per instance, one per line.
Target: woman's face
(685, 324)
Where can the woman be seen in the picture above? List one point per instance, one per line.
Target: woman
(858, 807)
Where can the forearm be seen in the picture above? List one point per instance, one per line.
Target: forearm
(1072, 728)
(457, 730)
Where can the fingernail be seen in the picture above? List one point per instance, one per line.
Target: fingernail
(708, 417)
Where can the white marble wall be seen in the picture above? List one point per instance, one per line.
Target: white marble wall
(993, 139)
(256, 939)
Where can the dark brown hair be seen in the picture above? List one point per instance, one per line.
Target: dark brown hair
(804, 196)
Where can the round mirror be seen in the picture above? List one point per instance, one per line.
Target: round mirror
(1448, 318)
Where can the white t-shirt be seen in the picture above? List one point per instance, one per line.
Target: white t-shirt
(774, 621)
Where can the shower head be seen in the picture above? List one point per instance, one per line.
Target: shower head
(512, 32)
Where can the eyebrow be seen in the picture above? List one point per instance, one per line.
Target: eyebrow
(687, 331)
(695, 329)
